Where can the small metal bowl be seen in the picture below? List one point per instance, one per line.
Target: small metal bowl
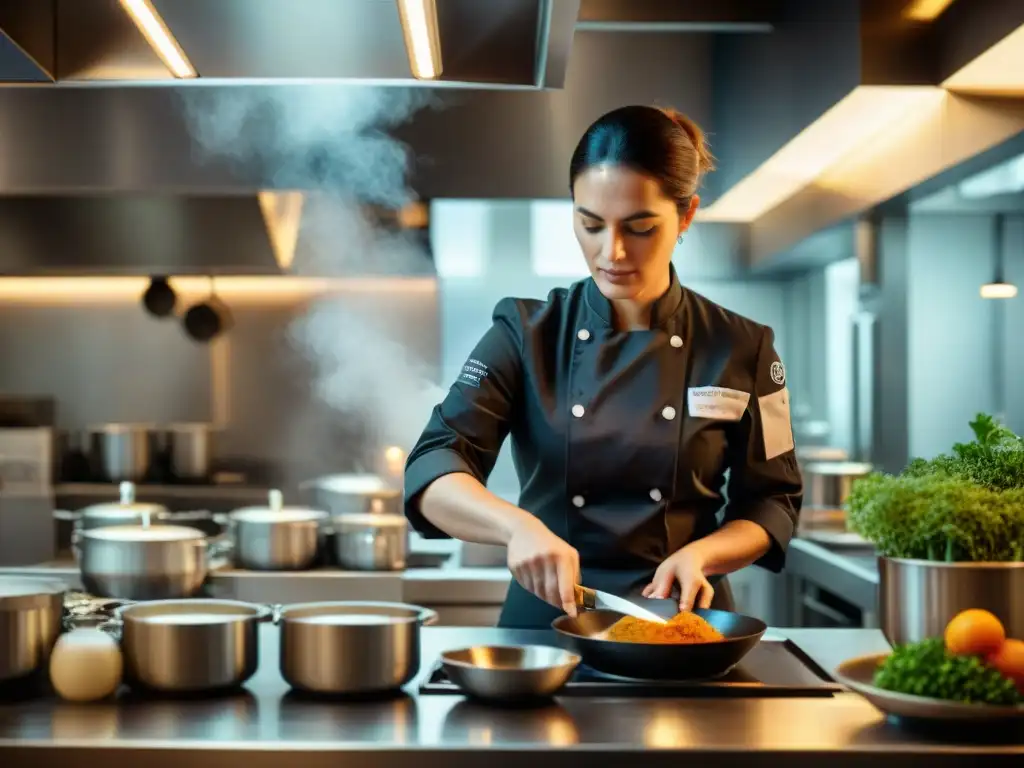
(510, 674)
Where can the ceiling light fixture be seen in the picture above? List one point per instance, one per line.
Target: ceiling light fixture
(867, 112)
(925, 10)
(999, 71)
(159, 37)
(422, 39)
(998, 288)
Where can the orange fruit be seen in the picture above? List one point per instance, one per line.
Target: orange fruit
(1009, 660)
(974, 632)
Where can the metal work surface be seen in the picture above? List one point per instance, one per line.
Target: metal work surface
(267, 725)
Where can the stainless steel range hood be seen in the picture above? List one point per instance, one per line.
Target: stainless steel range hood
(199, 234)
(484, 43)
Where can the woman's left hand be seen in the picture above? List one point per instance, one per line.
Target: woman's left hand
(686, 568)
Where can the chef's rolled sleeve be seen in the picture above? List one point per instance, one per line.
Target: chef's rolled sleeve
(765, 484)
(466, 430)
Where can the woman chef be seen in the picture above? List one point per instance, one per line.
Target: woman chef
(628, 397)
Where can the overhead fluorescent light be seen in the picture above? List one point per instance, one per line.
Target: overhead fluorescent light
(999, 71)
(422, 39)
(865, 114)
(998, 291)
(159, 37)
(1004, 179)
(925, 10)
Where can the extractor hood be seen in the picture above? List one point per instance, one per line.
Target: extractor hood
(202, 234)
(484, 43)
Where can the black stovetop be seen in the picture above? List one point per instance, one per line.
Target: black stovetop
(773, 668)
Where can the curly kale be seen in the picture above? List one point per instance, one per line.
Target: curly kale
(966, 506)
(928, 669)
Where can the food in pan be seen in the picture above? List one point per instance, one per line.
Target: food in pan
(973, 663)
(685, 628)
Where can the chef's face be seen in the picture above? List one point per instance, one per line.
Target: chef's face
(627, 228)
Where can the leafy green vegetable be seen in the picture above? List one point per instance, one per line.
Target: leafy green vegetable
(928, 669)
(995, 459)
(964, 506)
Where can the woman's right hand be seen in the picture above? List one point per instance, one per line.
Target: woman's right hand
(544, 564)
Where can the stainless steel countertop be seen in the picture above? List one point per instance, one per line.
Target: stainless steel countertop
(268, 725)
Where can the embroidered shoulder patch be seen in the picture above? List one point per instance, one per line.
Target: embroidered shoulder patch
(778, 373)
(473, 373)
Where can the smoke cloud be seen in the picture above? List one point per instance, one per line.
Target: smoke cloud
(333, 140)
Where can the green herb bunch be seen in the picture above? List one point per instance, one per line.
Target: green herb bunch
(963, 506)
(928, 669)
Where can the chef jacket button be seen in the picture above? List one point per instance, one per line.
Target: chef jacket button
(676, 341)
(656, 494)
(578, 411)
(668, 413)
(578, 501)
(583, 334)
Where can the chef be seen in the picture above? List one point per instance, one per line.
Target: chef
(638, 409)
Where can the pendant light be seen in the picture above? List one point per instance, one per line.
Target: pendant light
(998, 288)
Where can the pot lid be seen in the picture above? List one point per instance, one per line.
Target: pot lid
(276, 511)
(363, 520)
(20, 592)
(354, 484)
(191, 611)
(125, 508)
(144, 533)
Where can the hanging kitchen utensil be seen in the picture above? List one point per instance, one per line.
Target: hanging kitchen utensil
(208, 319)
(159, 298)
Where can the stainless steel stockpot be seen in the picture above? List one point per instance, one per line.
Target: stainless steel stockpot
(189, 646)
(351, 647)
(31, 611)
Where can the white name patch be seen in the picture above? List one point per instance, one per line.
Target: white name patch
(775, 423)
(717, 403)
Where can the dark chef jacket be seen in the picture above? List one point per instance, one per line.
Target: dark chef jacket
(621, 440)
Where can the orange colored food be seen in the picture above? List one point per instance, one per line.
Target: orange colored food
(1009, 661)
(682, 629)
(974, 633)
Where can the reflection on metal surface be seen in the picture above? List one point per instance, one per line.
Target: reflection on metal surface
(666, 730)
(469, 722)
(159, 37)
(252, 290)
(391, 719)
(282, 213)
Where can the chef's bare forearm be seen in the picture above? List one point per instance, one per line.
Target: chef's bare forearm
(462, 507)
(735, 545)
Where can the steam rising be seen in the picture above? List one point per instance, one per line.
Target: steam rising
(333, 140)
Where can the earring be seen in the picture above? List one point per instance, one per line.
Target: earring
(680, 241)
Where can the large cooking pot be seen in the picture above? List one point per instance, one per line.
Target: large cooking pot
(351, 647)
(31, 611)
(353, 495)
(189, 448)
(276, 537)
(371, 542)
(828, 483)
(917, 598)
(188, 646)
(146, 562)
(120, 451)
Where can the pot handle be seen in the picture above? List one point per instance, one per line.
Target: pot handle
(66, 514)
(428, 617)
(218, 550)
(270, 614)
